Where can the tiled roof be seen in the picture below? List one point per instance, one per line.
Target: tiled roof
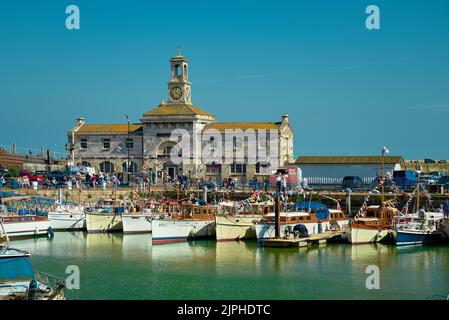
(222, 126)
(348, 160)
(177, 109)
(109, 128)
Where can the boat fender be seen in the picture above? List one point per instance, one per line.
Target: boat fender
(50, 232)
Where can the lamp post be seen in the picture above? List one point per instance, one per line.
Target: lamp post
(127, 147)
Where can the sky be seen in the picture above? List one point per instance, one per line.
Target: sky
(348, 90)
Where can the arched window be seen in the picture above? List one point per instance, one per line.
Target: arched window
(107, 167)
(177, 70)
(132, 167)
(83, 164)
(263, 168)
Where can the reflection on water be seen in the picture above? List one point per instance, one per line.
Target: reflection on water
(117, 266)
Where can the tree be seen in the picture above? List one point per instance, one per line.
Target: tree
(14, 172)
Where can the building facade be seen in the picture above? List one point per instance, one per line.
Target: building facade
(330, 170)
(179, 138)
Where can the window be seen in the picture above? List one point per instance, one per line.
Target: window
(163, 135)
(262, 168)
(132, 167)
(107, 167)
(129, 143)
(238, 168)
(106, 144)
(213, 168)
(237, 143)
(83, 144)
(212, 143)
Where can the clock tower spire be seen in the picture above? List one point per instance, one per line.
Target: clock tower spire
(179, 85)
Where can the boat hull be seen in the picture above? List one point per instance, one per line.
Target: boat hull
(235, 227)
(267, 230)
(169, 231)
(103, 222)
(25, 229)
(136, 223)
(417, 237)
(67, 220)
(359, 235)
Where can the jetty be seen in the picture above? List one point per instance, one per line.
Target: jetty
(317, 238)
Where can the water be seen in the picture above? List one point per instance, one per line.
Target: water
(117, 266)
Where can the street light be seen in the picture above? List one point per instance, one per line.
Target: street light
(127, 146)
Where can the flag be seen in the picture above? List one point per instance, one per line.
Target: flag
(385, 150)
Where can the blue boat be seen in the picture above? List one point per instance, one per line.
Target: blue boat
(412, 230)
(18, 281)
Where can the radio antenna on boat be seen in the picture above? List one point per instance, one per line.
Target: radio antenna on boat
(4, 232)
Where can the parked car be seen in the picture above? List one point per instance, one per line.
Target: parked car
(24, 173)
(429, 179)
(442, 161)
(444, 181)
(36, 177)
(352, 182)
(429, 161)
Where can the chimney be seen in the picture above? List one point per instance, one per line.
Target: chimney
(80, 122)
(284, 118)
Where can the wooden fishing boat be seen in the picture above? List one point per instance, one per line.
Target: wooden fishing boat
(67, 217)
(105, 217)
(236, 222)
(314, 216)
(192, 221)
(375, 226)
(21, 225)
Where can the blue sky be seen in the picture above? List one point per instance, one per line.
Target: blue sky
(348, 90)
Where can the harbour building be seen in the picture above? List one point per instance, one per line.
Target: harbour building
(330, 170)
(178, 127)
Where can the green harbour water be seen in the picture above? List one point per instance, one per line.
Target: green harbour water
(117, 266)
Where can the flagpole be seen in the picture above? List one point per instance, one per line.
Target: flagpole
(382, 177)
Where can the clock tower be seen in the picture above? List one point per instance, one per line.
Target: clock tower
(179, 85)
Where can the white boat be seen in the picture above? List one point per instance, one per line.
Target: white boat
(138, 222)
(66, 217)
(107, 219)
(237, 223)
(266, 229)
(21, 226)
(320, 220)
(16, 225)
(192, 222)
(413, 230)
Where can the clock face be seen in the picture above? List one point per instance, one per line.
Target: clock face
(176, 93)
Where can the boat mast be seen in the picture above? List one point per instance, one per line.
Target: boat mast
(382, 196)
(417, 197)
(4, 232)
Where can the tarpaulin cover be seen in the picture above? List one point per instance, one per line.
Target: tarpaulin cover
(15, 269)
(321, 211)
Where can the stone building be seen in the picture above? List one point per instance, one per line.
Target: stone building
(173, 138)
